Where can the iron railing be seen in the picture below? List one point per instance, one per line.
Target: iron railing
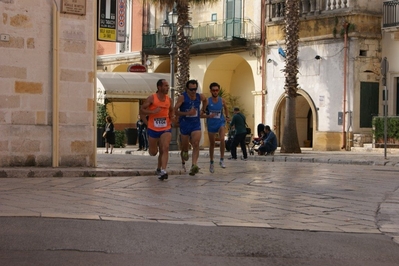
(391, 14)
(276, 8)
(209, 31)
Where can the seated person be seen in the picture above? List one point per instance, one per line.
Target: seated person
(261, 130)
(269, 143)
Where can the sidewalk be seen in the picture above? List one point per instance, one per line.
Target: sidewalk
(308, 191)
(113, 165)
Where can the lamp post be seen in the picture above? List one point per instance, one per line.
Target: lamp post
(169, 29)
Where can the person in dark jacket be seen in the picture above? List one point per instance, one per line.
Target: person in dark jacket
(142, 134)
(109, 135)
(239, 124)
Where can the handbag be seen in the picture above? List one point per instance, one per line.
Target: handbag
(249, 131)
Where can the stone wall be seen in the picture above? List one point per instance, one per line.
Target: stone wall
(360, 139)
(28, 91)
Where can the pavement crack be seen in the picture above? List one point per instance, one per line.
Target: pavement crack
(78, 250)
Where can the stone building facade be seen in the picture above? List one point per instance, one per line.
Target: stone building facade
(47, 74)
(339, 77)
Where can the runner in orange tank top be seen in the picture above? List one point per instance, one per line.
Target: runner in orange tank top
(160, 113)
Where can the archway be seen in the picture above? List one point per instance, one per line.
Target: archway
(235, 77)
(306, 118)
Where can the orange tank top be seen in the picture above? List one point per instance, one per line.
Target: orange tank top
(159, 121)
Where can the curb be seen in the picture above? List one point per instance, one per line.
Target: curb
(65, 172)
(47, 172)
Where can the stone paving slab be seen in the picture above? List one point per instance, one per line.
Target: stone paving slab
(287, 195)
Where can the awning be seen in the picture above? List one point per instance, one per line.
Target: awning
(127, 86)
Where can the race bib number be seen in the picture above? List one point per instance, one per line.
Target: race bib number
(194, 115)
(216, 114)
(160, 122)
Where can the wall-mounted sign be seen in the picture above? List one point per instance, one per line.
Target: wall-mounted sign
(136, 68)
(77, 7)
(111, 20)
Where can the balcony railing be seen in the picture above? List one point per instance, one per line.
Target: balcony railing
(210, 31)
(276, 8)
(391, 14)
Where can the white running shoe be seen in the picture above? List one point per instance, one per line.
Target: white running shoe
(211, 168)
(221, 163)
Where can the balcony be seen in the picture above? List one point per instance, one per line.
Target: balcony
(210, 35)
(390, 14)
(276, 8)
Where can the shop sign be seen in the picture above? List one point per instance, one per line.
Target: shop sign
(111, 20)
(136, 68)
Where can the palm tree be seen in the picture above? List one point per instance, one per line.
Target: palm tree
(183, 43)
(183, 47)
(290, 143)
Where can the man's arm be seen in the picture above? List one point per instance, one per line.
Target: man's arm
(226, 109)
(233, 121)
(179, 102)
(204, 101)
(269, 136)
(144, 107)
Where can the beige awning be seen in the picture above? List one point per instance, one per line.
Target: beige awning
(127, 86)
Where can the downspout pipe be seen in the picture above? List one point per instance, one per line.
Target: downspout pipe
(144, 28)
(345, 25)
(55, 83)
(263, 55)
(95, 8)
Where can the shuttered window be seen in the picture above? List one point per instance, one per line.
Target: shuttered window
(369, 99)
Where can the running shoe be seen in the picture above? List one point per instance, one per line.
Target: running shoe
(183, 165)
(244, 159)
(158, 171)
(184, 155)
(211, 168)
(221, 163)
(194, 169)
(163, 175)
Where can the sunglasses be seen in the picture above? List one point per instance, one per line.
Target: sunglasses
(214, 90)
(192, 89)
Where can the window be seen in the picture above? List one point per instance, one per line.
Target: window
(233, 18)
(362, 53)
(369, 101)
(397, 95)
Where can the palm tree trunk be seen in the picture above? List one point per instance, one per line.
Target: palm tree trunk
(290, 143)
(183, 48)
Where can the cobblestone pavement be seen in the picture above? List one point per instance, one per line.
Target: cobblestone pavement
(315, 191)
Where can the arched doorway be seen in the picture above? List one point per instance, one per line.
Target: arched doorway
(236, 79)
(306, 118)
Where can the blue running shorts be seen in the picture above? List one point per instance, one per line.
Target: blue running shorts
(214, 127)
(188, 128)
(157, 134)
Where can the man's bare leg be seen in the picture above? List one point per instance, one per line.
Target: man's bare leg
(222, 146)
(164, 142)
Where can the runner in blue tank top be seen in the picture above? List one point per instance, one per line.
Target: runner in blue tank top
(188, 109)
(215, 121)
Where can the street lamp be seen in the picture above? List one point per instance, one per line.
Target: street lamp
(169, 29)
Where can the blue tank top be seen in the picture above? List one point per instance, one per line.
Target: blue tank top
(187, 105)
(217, 109)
